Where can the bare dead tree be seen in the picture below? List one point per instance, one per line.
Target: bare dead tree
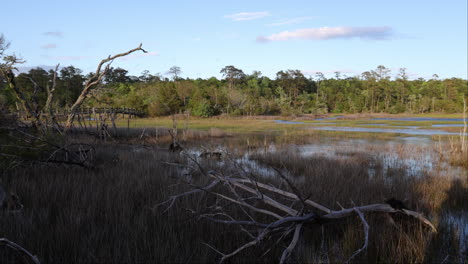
(175, 145)
(245, 191)
(51, 90)
(93, 81)
(7, 66)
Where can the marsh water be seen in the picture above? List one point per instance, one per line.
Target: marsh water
(412, 148)
(413, 152)
(401, 128)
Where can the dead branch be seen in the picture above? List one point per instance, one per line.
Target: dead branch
(244, 190)
(30, 258)
(378, 208)
(76, 154)
(172, 199)
(94, 81)
(50, 91)
(254, 242)
(285, 194)
(292, 245)
(366, 235)
(34, 95)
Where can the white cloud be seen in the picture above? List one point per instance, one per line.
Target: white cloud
(324, 33)
(291, 21)
(49, 46)
(244, 16)
(57, 34)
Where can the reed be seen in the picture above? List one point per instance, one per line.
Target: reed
(106, 214)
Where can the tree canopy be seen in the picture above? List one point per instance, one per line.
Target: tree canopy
(291, 92)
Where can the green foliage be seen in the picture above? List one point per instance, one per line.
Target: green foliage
(203, 109)
(167, 102)
(240, 94)
(123, 88)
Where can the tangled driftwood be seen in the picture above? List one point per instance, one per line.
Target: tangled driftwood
(27, 257)
(246, 192)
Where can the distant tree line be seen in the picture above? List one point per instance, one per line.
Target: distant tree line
(239, 93)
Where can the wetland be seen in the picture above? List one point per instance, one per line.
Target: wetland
(133, 171)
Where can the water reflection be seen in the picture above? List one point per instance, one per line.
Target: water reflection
(419, 119)
(414, 155)
(289, 122)
(448, 125)
(411, 130)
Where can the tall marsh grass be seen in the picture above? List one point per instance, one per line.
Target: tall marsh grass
(455, 148)
(106, 214)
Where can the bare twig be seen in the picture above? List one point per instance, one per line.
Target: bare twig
(172, 199)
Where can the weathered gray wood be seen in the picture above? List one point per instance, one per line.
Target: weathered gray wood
(93, 81)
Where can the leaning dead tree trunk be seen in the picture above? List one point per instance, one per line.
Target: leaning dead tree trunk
(93, 81)
(11, 80)
(288, 212)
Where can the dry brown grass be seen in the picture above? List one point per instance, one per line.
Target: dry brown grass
(102, 215)
(335, 181)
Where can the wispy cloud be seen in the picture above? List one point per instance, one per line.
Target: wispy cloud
(244, 16)
(49, 46)
(57, 34)
(323, 33)
(291, 21)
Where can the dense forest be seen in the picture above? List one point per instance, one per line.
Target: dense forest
(239, 93)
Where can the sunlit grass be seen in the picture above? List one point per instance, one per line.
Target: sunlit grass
(227, 125)
(247, 126)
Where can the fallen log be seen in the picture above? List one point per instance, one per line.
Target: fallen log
(286, 219)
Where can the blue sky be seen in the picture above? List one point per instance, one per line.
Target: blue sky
(426, 37)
